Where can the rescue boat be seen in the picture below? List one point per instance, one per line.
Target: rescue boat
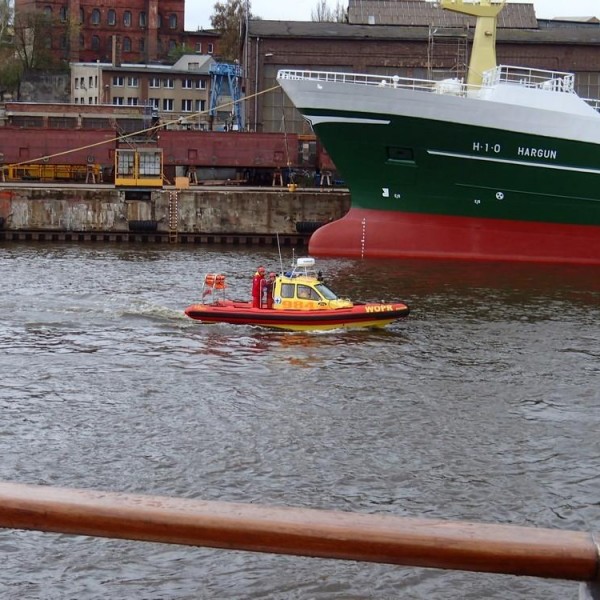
(297, 301)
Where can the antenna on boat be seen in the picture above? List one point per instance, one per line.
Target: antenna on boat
(279, 249)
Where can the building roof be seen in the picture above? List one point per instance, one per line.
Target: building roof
(572, 33)
(578, 19)
(426, 13)
(194, 62)
(203, 62)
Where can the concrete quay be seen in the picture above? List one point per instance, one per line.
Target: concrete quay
(198, 215)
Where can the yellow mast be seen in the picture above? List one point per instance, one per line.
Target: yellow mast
(483, 55)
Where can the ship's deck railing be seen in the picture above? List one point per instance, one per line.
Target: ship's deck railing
(386, 539)
(454, 86)
(555, 81)
(593, 102)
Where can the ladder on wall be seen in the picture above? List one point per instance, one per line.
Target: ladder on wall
(173, 217)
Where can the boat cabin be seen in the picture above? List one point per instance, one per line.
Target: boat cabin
(303, 289)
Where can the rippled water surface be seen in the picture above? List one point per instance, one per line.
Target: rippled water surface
(483, 405)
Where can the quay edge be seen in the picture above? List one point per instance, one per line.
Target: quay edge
(253, 216)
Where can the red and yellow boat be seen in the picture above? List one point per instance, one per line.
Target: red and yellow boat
(299, 301)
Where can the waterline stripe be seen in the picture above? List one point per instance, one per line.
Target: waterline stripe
(514, 162)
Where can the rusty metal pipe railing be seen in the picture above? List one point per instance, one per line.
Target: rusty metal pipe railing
(432, 543)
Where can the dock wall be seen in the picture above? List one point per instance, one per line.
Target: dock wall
(188, 215)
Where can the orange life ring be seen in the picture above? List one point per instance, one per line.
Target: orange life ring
(220, 282)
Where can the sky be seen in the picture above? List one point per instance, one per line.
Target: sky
(198, 12)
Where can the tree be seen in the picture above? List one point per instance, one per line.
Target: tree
(229, 18)
(180, 50)
(31, 39)
(323, 13)
(6, 17)
(11, 72)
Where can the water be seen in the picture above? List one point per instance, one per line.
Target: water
(481, 406)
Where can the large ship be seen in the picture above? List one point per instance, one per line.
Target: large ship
(502, 166)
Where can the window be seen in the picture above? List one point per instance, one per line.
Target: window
(76, 83)
(81, 16)
(48, 11)
(172, 21)
(187, 84)
(112, 17)
(287, 290)
(95, 19)
(118, 100)
(81, 41)
(154, 102)
(126, 44)
(193, 66)
(172, 45)
(167, 104)
(201, 84)
(186, 105)
(199, 47)
(142, 44)
(118, 81)
(132, 101)
(154, 82)
(150, 164)
(210, 48)
(127, 18)
(168, 83)
(397, 154)
(200, 105)
(307, 293)
(95, 42)
(63, 14)
(143, 19)
(133, 82)
(90, 82)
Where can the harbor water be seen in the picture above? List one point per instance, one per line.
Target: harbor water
(483, 405)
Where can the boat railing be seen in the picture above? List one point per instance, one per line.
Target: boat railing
(454, 86)
(554, 81)
(593, 102)
(376, 538)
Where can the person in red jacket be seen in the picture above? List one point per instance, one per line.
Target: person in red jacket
(257, 287)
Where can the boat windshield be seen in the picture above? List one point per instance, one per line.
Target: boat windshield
(325, 292)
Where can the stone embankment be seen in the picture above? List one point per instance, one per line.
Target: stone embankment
(194, 215)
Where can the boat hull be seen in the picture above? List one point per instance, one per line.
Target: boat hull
(242, 313)
(392, 234)
(443, 176)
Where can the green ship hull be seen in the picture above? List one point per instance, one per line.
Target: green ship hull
(502, 175)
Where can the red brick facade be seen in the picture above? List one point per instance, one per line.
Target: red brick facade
(147, 29)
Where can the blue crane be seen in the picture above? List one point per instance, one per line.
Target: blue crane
(220, 72)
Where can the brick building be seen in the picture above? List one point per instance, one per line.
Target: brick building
(175, 93)
(410, 38)
(146, 31)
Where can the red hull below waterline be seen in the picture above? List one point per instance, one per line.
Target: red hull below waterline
(393, 234)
